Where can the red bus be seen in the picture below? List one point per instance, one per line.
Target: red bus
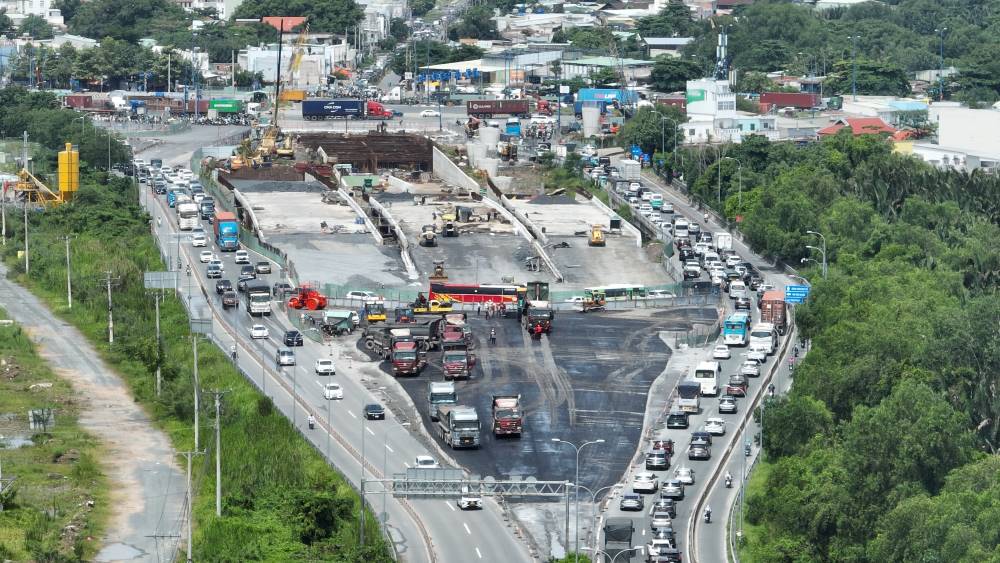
(470, 293)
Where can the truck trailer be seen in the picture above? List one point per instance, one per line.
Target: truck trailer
(458, 426)
(773, 310)
(489, 108)
(227, 231)
(317, 110)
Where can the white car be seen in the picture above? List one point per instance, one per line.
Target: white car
(750, 369)
(364, 296)
(757, 355)
(721, 352)
(469, 500)
(199, 241)
(659, 294)
(733, 260)
(333, 391)
(206, 256)
(542, 119)
(258, 331)
(645, 482)
(715, 426)
(684, 475)
(325, 366)
(575, 299)
(242, 257)
(430, 113)
(218, 263)
(426, 462)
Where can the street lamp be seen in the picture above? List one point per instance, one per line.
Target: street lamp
(739, 172)
(615, 558)
(662, 143)
(593, 502)
(940, 32)
(854, 66)
(823, 250)
(577, 495)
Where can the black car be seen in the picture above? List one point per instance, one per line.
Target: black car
(701, 438)
(248, 271)
(374, 412)
(263, 267)
(686, 254)
(223, 286)
(657, 460)
(677, 419)
(293, 338)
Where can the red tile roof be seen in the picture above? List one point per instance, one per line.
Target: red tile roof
(859, 126)
(284, 23)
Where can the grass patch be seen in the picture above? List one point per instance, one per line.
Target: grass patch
(753, 534)
(49, 516)
(281, 501)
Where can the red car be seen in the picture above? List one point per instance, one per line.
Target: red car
(737, 386)
(666, 445)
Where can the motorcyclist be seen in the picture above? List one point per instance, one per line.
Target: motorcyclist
(188, 269)
(312, 422)
(708, 514)
(770, 389)
(729, 480)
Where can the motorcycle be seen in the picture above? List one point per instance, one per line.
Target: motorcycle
(729, 481)
(312, 423)
(708, 515)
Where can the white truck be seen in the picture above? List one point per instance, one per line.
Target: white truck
(707, 375)
(187, 216)
(258, 299)
(689, 396)
(723, 241)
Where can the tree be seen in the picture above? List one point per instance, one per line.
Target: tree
(476, 23)
(755, 82)
(791, 423)
(36, 27)
(6, 26)
(649, 130)
(603, 77)
(421, 7)
(67, 8)
(674, 20)
(873, 78)
(127, 20)
(670, 74)
(398, 29)
(325, 16)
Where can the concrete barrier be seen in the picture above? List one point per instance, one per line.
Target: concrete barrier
(404, 245)
(627, 225)
(401, 184)
(450, 172)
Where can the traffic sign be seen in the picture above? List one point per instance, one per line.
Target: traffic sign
(796, 293)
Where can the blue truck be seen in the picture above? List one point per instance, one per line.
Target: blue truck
(227, 231)
(344, 109)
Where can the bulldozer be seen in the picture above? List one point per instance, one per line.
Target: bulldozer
(597, 235)
(307, 298)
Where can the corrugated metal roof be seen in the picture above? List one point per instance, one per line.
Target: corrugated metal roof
(606, 61)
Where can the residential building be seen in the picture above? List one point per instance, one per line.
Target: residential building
(635, 70)
(712, 115)
(858, 126)
(77, 41)
(317, 64)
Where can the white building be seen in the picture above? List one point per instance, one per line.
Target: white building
(318, 62)
(712, 115)
(967, 139)
(666, 45)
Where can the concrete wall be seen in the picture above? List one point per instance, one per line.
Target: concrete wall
(448, 171)
(401, 184)
(404, 244)
(346, 194)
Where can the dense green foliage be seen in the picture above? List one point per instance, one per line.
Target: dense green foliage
(117, 60)
(325, 16)
(127, 20)
(671, 74)
(650, 130)
(36, 27)
(476, 23)
(674, 20)
(425, 53)
(875, 454)
(899, 35)
(281, 501)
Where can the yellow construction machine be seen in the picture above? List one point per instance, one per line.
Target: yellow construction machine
(35, 191)
(597, 235)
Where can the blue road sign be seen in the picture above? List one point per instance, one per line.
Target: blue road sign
(796, 293)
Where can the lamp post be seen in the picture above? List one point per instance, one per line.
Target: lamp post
(940, 33)
(822, 250)
(593, 503)
(739, 172)
(577, 495)
(615, 558)
(854, 66)
(662, 142)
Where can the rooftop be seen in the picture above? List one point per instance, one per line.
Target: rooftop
(667, 41)
(859, 126)
(606, 61)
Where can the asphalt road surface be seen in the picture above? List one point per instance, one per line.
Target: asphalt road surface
(343, 435)
(589, 379)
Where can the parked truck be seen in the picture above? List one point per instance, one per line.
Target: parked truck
(618, 534)
(458, 426)
(315, 110)
(426, 334)
(440, 394)
(689, 396)
(489, 108)
(539, 314)
(773, 310)
(258, 298)
(798, 100)
(457, 361)
(507, 417)
(227, 231)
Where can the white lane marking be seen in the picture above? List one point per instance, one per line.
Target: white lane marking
(644, 531)
(478, 553)
(352, 414)
(369, 431)
(450, 506)
(388, 448)
(467, 530)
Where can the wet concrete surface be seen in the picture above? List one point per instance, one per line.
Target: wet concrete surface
(588, 380)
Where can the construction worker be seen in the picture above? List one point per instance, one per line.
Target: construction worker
(493, 336)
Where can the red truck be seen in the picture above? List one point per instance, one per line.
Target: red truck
(79, 101)
(406, 358)
(507, 417)
(488, 108)
(772, 309)
(457, 361)
(799, 100)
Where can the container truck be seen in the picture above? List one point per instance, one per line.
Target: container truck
(488, 108)
(772, 309)
(227, 231)
(187, 215)
(440, 393)
(507, 417)
(317, 110)
(458, 426)
(258, 299)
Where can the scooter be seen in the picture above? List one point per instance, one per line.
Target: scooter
(729, 481)
(708, 516)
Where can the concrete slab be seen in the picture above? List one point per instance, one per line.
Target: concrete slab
(296, 207)
(324, 259)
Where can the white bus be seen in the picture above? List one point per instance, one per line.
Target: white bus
(187, 216)
(707, 374)
(763, 337)
(620, 291)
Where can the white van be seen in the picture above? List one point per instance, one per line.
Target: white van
(707, 374)
(763, 337)
(738, 290)
(681, 228)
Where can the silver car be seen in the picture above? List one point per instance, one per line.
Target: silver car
(672, 489)
(660, 520)
(685, 475)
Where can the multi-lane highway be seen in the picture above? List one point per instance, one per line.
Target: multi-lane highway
(343, 434)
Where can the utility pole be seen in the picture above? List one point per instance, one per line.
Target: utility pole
(27, 259)
(159, 348)
(69, 277)
(3, 213)
(111, 319)
(194, 345)
(190, 499)
(217, 394)
(169, 89)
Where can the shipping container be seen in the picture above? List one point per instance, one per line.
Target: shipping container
(605, 95)
(800, 100)
(79, 101)
(226, 106)
(489, 108)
